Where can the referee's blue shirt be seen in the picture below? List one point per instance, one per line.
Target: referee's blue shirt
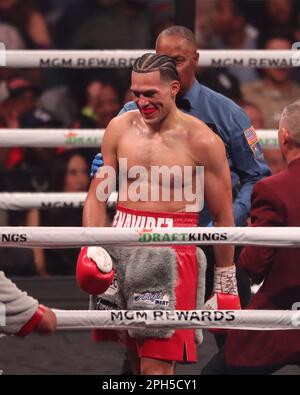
(245, 157)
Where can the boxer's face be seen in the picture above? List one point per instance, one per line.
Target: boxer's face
(153, 95)
(185, 55)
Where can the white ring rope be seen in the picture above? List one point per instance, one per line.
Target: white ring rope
(125, 58)
(79, 138)
(29, 200)
(178, 319)
(51, 138)
(71, 237)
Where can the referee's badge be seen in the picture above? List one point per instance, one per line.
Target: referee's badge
(252, 141)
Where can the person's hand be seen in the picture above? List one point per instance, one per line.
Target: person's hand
(94, 271)
(225, 293)
(47, 324)
(96, 164)
(43, 322)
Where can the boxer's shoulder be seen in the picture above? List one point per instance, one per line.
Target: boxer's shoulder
(198, 131)
(203, 142)
(118, 125)
(128, 118)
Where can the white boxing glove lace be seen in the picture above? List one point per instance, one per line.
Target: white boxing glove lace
(101, 257)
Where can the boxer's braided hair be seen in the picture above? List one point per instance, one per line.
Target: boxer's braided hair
(151, 62)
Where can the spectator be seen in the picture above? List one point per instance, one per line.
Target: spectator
(254, 113)
(280, 18)
(204, 22)
(220, 81)
(101, 105)
(275, 90)
(11, 37)
(29, 174)
(69, 174)
(162, 15)
(272, 155)
(115, 24)
(75, 13)
(30, 28)
(233, 32)
(59, 100)
(17, 262)
(275, 202)
(30, 161)
(21, 96)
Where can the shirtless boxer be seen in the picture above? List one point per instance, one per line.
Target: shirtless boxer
(159, 134)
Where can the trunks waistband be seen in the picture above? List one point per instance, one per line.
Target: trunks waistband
(130, 218)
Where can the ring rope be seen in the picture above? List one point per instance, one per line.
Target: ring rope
(125, 58)
(72, 237)
(80, 138)
(179, 319)
(46, 200)
(51, 138)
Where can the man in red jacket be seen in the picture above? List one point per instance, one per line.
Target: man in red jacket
(275, 202)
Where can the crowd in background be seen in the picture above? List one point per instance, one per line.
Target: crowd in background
(73, 98)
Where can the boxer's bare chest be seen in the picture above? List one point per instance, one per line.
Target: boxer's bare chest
(144, 149)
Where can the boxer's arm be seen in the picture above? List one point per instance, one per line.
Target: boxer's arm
(94, 211)
(248, 163)
(20, 314)
(97, 161)
(217, 190)
(95, 274)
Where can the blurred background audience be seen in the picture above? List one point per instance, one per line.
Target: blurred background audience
(79, 98)
(69, 173)
(276, 89)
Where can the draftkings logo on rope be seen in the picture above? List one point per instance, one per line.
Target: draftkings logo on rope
(72, 138)
(147, 236)
(2, 54)
(13, 237)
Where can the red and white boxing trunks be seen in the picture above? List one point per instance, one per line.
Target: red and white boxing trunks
(181, 345)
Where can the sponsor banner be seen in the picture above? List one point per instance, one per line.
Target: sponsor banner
(49, 200)
(13, 238)
(81, 137)
(73, 237)
(149, 237)
(23, 201)
(151, 299)
(261, 62)
(126, 58)
(178, 319)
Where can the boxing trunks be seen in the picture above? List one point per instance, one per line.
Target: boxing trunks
(175, 345)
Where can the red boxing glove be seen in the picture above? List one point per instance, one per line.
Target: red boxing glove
(94, 270)
(225, 295)
(33, 322)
